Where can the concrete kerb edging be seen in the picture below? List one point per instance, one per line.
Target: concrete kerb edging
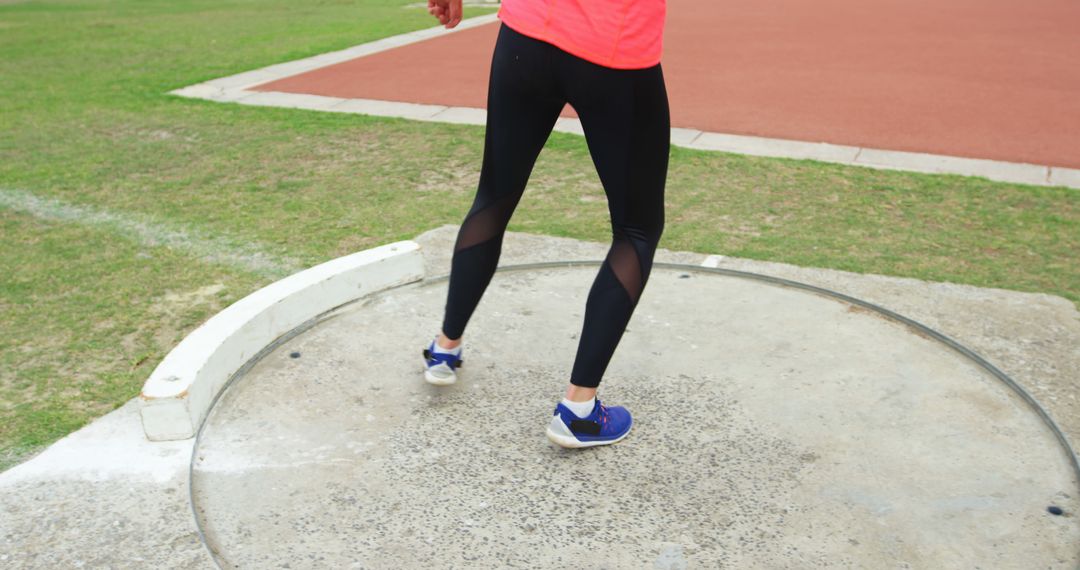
(179, 392)
(234, 88)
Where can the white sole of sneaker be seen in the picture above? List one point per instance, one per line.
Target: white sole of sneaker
(439, 380)
(572, 442)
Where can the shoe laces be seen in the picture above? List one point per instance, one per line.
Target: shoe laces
(603, 413)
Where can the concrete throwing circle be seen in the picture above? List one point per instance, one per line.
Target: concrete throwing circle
(774, 428)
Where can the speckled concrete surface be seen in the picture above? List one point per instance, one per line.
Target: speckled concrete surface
(1032, 337)
(106, 498)
(775, 428)
(102, 497)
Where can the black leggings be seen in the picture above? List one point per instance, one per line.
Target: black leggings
(624, 113)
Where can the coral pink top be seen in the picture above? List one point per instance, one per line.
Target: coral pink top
(624, 34)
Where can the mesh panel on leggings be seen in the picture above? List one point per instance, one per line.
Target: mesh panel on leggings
(487, 223)
(623, 260)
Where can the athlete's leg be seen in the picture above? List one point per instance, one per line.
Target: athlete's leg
(523, 105)
(627, 126)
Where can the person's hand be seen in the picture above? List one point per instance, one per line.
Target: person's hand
(447, 11)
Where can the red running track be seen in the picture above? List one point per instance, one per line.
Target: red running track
(996, 79)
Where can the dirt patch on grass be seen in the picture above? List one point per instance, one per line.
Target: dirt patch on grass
(166, 317)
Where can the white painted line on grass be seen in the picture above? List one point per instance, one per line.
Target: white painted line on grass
(233, 89)
(179, 392)
(153, 232)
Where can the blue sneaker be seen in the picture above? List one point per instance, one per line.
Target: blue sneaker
(602, 426)
(440, 367)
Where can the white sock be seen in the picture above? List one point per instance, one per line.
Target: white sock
(455, 350)
(580, 409)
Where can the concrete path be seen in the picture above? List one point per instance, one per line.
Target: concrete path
(820, 435)
(102, 497)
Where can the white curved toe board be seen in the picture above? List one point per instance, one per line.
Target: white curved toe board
(178, 394)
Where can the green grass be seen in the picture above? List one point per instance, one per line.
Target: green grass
(88, 311)
(86, 317)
